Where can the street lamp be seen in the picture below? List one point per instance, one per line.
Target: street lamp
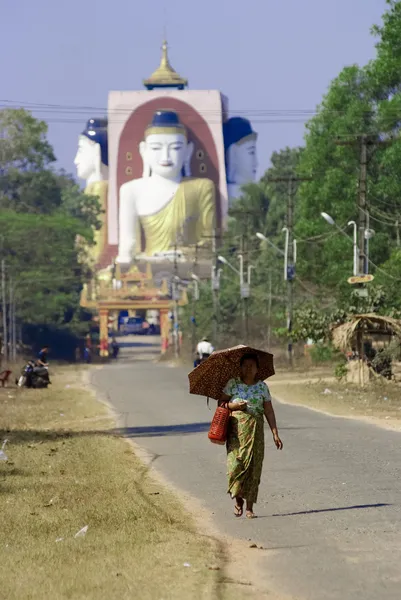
(354, 239)
(244, 287)
(329, 219)
(225, 262)
(262, 237)
(196, 281)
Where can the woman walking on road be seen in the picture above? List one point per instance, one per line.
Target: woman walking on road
(249, 400)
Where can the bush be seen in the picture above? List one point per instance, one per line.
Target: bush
(340, 372)
(322, 353)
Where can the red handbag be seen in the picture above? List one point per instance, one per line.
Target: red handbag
(219, 426)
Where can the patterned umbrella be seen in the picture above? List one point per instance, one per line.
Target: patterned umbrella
(210, 377)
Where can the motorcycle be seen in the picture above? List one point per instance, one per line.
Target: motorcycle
(33, 376)
(198, 360)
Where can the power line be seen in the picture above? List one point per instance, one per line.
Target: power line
(254, 111)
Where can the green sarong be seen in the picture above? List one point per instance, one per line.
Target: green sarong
(245, 453)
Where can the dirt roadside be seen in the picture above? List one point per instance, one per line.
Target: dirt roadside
(379, 404)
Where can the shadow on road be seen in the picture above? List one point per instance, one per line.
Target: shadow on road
(24, 436)
(163, 430)
(324, 510)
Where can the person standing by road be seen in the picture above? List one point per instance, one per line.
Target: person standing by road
(249, 400)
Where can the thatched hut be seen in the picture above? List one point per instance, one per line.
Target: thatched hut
(352, 334)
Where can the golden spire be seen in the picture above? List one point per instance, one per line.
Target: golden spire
(165, 76)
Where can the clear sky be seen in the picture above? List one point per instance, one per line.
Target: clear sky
(262, 54)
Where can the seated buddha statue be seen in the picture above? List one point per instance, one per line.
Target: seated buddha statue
(241, 157)
(165, 207)
(91, 162)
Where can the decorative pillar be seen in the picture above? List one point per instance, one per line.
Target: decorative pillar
(104, 332)
(164, 329)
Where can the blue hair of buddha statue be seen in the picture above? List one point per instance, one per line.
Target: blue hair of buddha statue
(96, 131)
(237, 129)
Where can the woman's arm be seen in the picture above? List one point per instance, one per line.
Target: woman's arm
(271, 419)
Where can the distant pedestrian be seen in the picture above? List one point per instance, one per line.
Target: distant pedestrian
(204, 349)
(115, 348)
(87, 355)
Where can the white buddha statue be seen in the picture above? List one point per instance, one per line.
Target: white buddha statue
(165, 207)
(241, 156)
(92, 162)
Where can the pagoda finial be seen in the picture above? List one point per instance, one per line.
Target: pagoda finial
(165, 75)
(164, 61)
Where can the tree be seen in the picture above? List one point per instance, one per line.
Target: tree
(42, 213)
(28, 183)
(23, 143)
(42, 260)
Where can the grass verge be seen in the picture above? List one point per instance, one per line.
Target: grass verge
(381, 400)
(67, 470)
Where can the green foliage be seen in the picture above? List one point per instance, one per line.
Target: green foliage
(23, 143)
(42, 259)
(311, 323)
(41, 214)
(340, 371)
(361, 100)
(322, 353)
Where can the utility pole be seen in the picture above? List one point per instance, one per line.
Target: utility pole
(244, 305)
(215, 290)
(195, 299)
(269, 309)
(289, 273)
(363, 141)
(4, 308)
(175, 294)
(363, 243)
(14, 335)
(10, 318)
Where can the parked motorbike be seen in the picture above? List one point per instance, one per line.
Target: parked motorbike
(33, 376)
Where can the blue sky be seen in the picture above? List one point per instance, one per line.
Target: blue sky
(262, 54)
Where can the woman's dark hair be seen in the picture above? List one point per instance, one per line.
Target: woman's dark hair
(249, 356)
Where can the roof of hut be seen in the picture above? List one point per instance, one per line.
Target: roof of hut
(371, 324)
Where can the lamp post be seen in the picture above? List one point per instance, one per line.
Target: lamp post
(368, 234)
(284, 253)
(216, 273)
(289, 274)
(176, 295)
(245, 287)
(195, 298)
(263, 238)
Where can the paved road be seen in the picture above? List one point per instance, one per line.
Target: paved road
(329, 507)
